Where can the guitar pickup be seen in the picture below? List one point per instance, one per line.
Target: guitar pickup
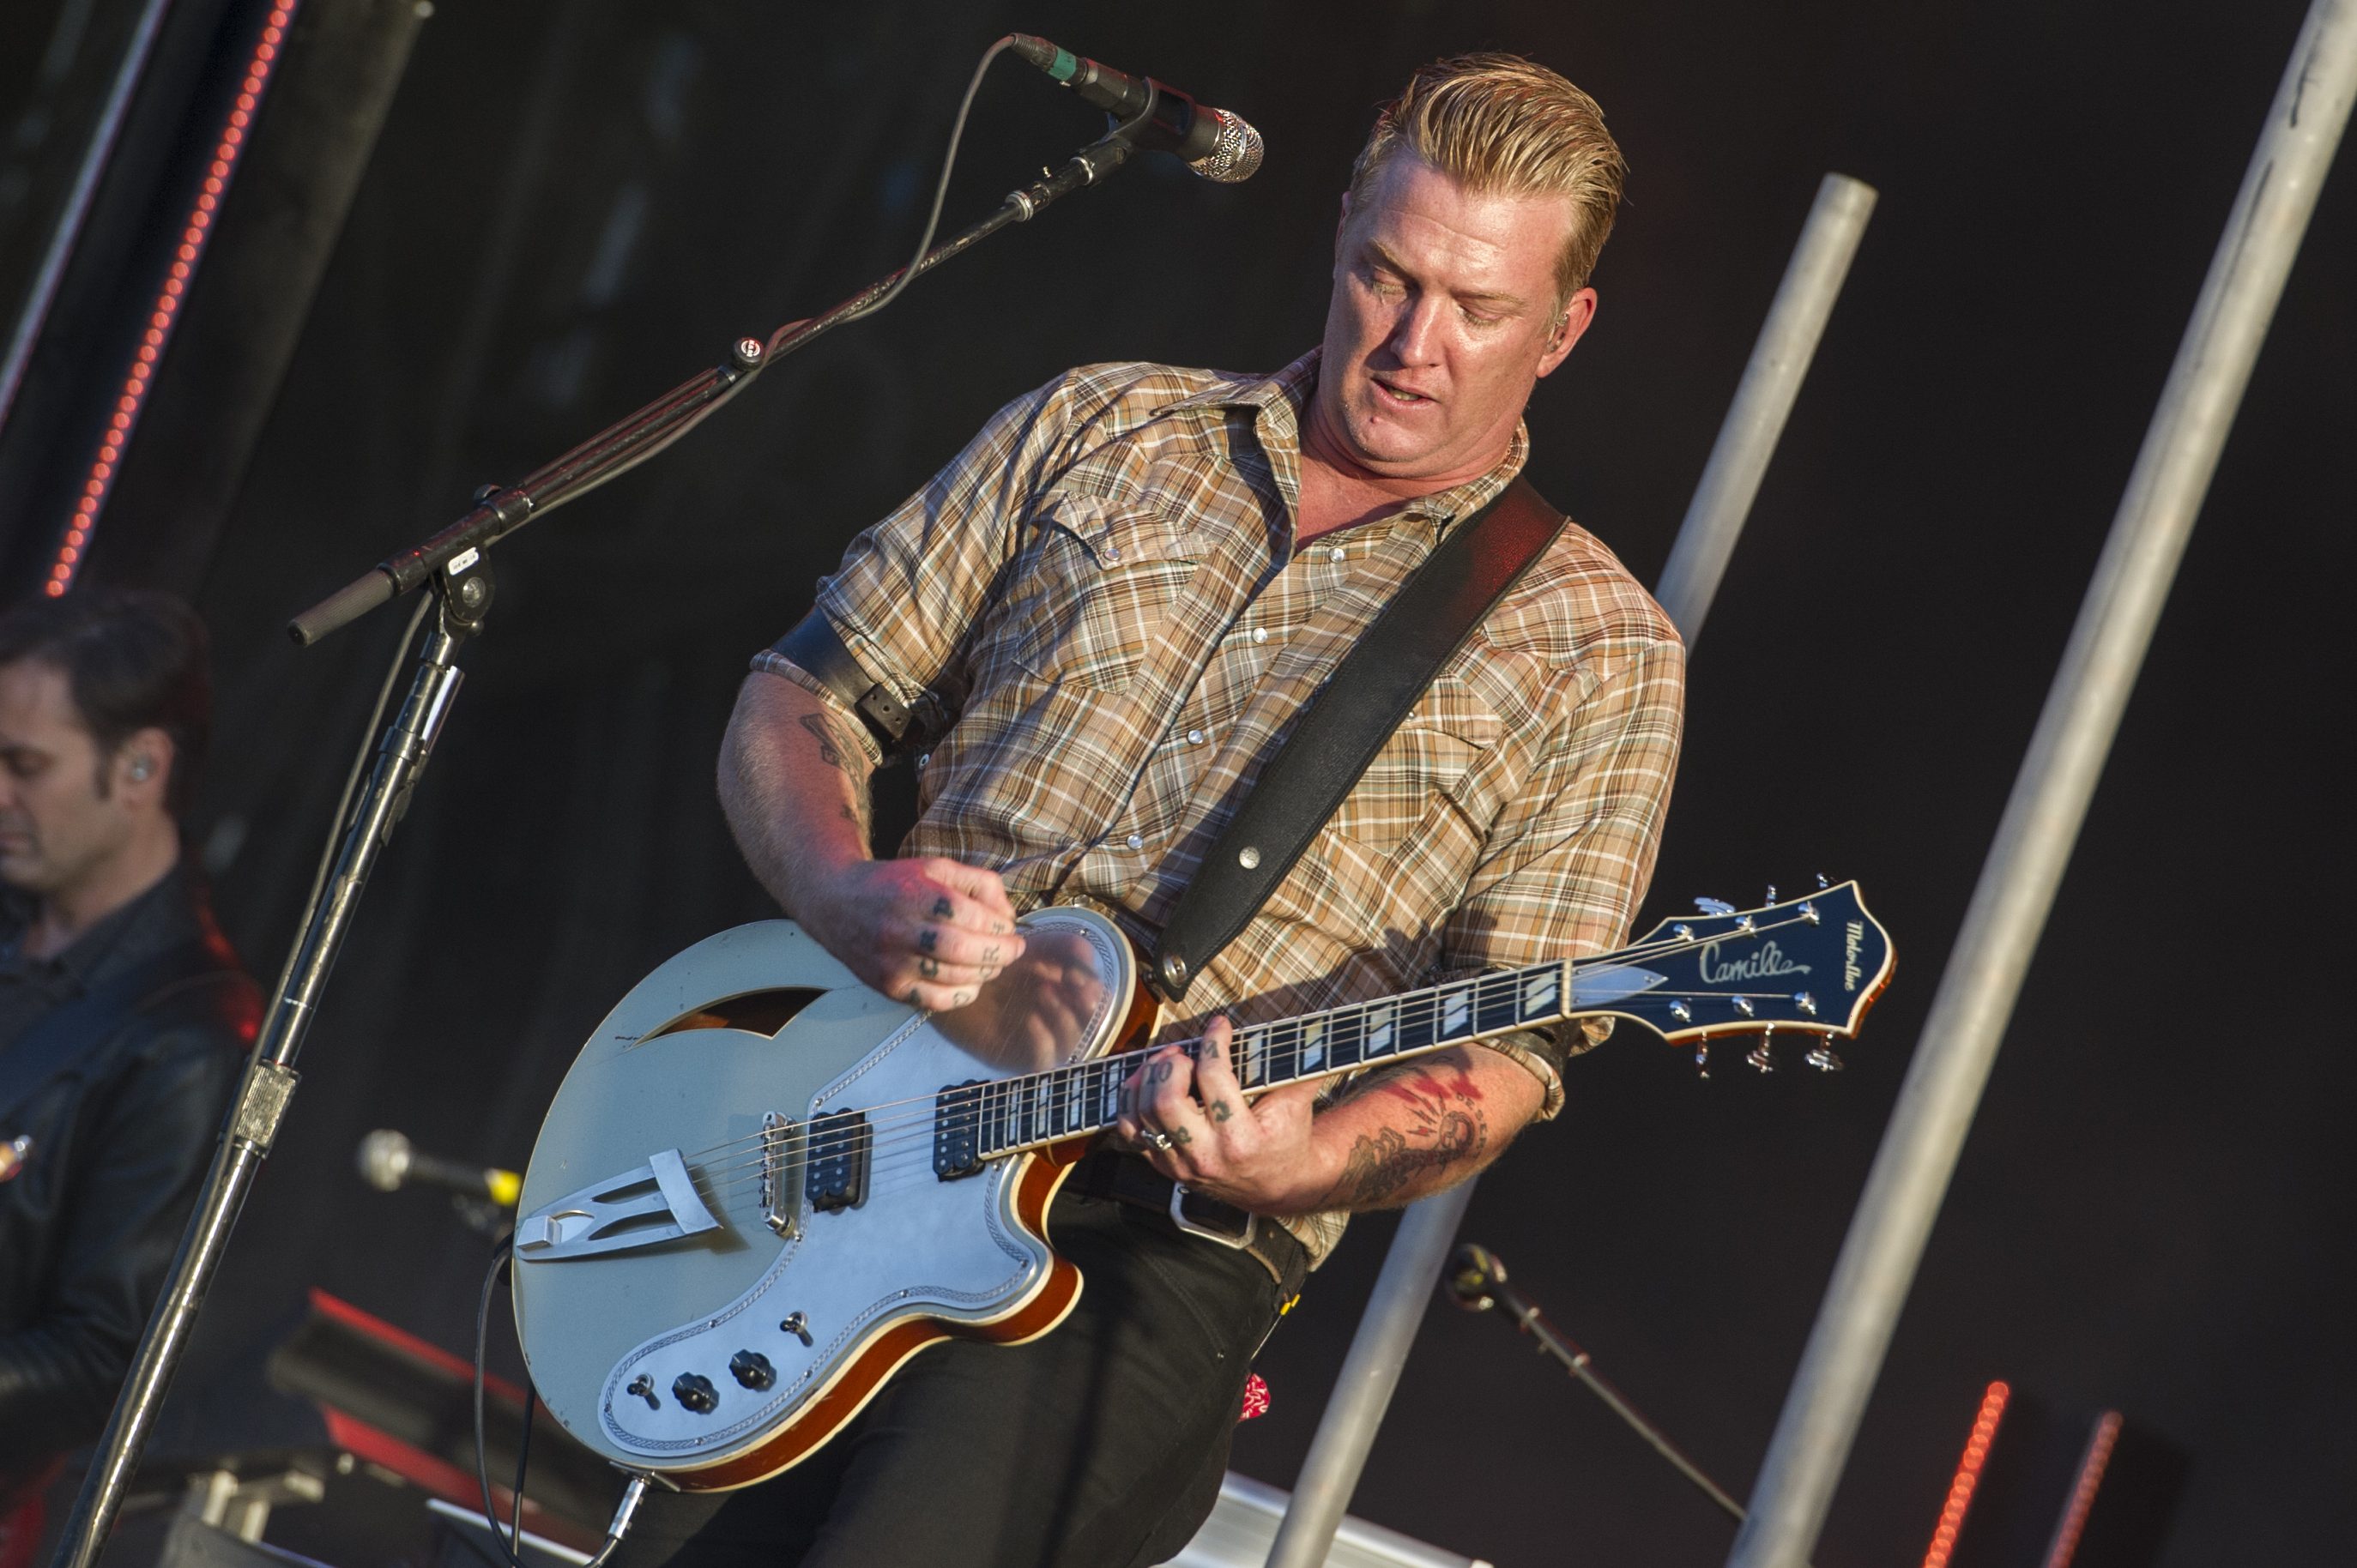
(957, 1130)
(836, 1161)
(781, 1174)
(656, 1202)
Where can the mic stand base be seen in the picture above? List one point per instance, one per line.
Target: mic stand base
(270, 1078)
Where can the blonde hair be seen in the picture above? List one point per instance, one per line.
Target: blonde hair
(1500, 124)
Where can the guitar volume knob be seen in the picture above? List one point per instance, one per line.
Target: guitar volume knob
(694, 1393)
(752, 1368)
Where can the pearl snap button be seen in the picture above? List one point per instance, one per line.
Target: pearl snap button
(1194, 737)
(1260, 634)
(1335, 553)
(1135, 841)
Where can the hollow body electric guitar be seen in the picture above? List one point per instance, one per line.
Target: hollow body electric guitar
(763, 1186)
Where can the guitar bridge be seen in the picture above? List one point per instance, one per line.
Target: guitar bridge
(783, 1148)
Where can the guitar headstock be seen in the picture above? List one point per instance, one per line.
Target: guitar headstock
(1812, 964)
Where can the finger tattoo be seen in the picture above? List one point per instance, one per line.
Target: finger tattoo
(1179, 1136)
(962, 997)
(943, 908)
(928, 938)
(931, 968)
(1157, 1072)
(989, 954)
(1220, 1109)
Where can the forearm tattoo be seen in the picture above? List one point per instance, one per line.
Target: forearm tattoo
(839, 748)
(1446, 1129)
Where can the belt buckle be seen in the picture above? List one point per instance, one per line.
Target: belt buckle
(1239, 1241)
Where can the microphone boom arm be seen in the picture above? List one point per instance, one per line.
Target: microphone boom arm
(638, 436)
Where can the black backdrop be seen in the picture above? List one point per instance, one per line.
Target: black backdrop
(574, 206)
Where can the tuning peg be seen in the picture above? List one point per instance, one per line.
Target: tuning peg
(1715, 906)
(1772, 894)
(1823, 1058)
(1702, 1055)
(1759, 1056)
(1822, 883)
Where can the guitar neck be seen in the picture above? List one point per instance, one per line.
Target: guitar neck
(1037, 1109)
(1812, 966)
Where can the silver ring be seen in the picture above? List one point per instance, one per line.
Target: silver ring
(1160, 1141)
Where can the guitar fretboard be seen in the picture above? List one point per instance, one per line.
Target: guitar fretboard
(1040, 1108)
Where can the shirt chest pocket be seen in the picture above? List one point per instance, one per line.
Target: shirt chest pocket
(1089, 606)
(1430, 771)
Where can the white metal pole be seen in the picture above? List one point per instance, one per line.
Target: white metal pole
(1788, 339)
(2050, 796)
(84, 191)
(1772, 380)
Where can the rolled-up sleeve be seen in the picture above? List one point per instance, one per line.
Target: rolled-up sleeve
(1567, 862)
(912, 586)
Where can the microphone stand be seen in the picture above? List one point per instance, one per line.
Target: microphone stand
(453, 562)
(1477, 1282)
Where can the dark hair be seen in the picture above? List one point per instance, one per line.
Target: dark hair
(133, 661)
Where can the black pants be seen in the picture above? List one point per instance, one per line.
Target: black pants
(1099, 1445)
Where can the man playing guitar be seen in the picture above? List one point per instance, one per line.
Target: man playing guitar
(1118, 595)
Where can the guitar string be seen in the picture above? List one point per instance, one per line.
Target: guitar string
(999, 1102)
(995, 1108)
(999, 1108)
(1003, 1106)
(1488, 988)
(999, 1122)
(996, 1113)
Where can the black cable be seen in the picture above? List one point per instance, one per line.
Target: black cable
(352, 783)
(524, 1456)
(941, 186)
(482, 1443)
(949, 164)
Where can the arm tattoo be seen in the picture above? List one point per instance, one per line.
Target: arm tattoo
(838, 750)
(1386, 1168)
(832, 747)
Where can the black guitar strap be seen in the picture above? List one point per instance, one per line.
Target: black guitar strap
(1363, 701)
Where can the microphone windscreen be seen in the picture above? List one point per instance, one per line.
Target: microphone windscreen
(384, 1160)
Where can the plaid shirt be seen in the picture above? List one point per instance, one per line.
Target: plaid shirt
(1104, 587)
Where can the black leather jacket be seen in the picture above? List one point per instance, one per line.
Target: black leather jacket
(117, 1061)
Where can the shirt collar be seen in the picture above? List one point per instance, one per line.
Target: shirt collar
(1282, 399)
(155, 919)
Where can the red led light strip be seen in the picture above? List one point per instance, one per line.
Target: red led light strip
(1968, 1475)
(75, 545)
(2082, 1495)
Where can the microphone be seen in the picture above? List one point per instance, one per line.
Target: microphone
(389, 1161)
(1213, 142)
(1476, 1278)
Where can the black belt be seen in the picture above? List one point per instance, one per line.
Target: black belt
(1127, 1178)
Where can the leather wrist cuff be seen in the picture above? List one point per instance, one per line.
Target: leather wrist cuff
(813, 646)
